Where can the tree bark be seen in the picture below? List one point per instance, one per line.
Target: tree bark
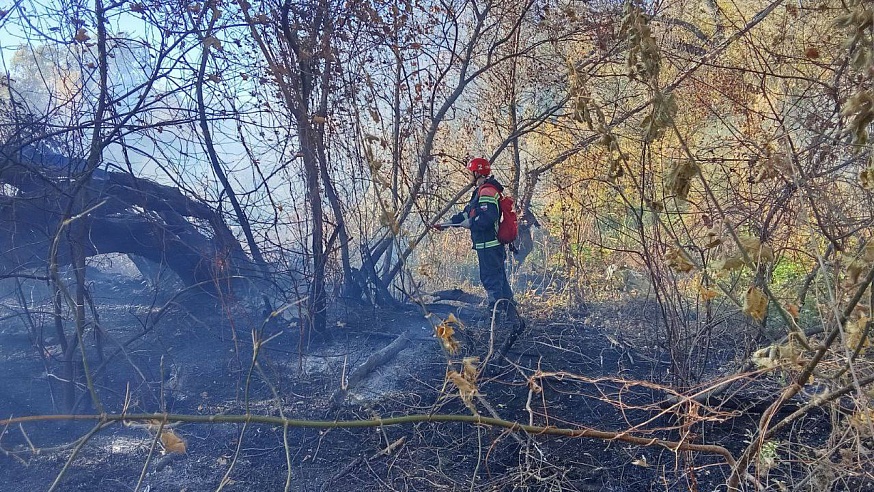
(219, 263)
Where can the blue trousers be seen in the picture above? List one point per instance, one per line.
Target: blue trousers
(493, 275)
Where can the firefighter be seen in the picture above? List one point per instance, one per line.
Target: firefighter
(482, 215)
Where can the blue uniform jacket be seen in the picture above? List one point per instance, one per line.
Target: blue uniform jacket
(484, 214)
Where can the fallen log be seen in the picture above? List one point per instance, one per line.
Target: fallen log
(130, 215)
(379, 358)
(457, 295)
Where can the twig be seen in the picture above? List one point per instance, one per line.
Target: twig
(753, 448)
(84, 439)
(391, 448)
(816, 402)
(149, 457)
(511, 426)
(226, 479)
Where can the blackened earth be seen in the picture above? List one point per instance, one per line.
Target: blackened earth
(197, 358)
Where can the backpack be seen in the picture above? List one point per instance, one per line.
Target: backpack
(508, 228)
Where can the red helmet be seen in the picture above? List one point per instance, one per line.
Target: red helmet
(480, 166)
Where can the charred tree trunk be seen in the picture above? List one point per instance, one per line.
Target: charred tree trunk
(330, 190)
(242, 217)
(316, 302)
(76, 229)
(310, 131)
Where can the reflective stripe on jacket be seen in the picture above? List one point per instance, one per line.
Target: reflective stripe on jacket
(484, 214)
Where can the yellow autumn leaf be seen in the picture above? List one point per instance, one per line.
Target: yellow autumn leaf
(469, 370)
(451, 345)
(749, 243)
(856, 334)
(727, 264)
(866, 178)
(81, 35)
(466, 389)
(788, 353)
(172, 443)
(764, 358)
(714, 238)
(444, 331)
(854, 270)
(677, 260)
(776, 355)
(861, 263)
(451, 319)
(679, 178)
(756, 250)
(706, 293)
(212, 42)
(755, 303)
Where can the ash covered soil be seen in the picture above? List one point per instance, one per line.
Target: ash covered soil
(197, 358)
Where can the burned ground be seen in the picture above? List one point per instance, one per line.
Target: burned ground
(197, 359)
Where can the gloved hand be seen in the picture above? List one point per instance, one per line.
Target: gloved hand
(465, 223)
(437, 227)
(455, 219)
